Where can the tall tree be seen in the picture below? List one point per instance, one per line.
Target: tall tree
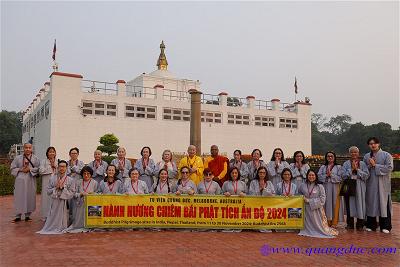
(338, 124)
(10, 130)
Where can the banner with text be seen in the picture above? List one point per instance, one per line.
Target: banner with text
(199, 211)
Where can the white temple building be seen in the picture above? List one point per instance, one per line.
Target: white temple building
(154, 110)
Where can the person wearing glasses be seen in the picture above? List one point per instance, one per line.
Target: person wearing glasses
(242, 166)
(378, 199)
(330, 175)
(276, 166)
(185, 185)
(260, 186)
(207, 186)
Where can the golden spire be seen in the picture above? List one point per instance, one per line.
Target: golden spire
(162, 62)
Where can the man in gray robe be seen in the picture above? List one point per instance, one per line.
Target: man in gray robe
(378, 199)
(355, 205)
(24, 168)
(61, 188)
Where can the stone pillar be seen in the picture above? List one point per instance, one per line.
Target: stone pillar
(250, 101)
(121, 87)
(223, 99)
(195, 119)
(275, 103)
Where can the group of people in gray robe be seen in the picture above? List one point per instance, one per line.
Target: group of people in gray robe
(65, 184)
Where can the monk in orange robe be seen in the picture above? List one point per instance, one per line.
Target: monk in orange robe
(217, 164)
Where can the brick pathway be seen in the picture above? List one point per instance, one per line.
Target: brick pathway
(20, 246)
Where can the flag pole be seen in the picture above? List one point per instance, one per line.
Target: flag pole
(55, 65)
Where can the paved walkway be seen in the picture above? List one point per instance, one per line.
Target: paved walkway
(20, 246)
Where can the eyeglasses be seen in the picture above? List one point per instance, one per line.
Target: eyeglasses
(208, 174)
(184, 172)
(261, 172)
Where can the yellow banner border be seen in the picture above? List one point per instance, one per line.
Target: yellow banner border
(190, 227)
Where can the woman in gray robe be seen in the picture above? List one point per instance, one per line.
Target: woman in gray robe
(207, 186)
(98, 166)
(123, 164)
(315, 221)
(111, 184)
(260, 186)
(24, 168)
(163, 186)
(254, 164)
(276, 166)
(168, 164)
(286, 188)
(378, 193)
(85, 186)
(299, 168)
(74, 164)
(355, 205)
(134, 186)
(330, 175)
(185, 185)
(242, 166)
(73, 170)
(234, 186)
(61, 188)
(146, 167)
(48, 168)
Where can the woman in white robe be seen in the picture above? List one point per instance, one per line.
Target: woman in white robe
(315, 221)
(61, 189)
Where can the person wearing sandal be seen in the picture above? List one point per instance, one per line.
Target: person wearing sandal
(25, 168)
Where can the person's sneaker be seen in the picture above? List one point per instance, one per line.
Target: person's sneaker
(368, 229)
(265, 231)
(16, 220)
(27, 219)
(385, 231)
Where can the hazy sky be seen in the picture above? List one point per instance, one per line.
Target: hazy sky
(345, 54)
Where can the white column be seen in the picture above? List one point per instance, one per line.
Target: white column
(275, 103)
(250, 101)
(223, 99)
